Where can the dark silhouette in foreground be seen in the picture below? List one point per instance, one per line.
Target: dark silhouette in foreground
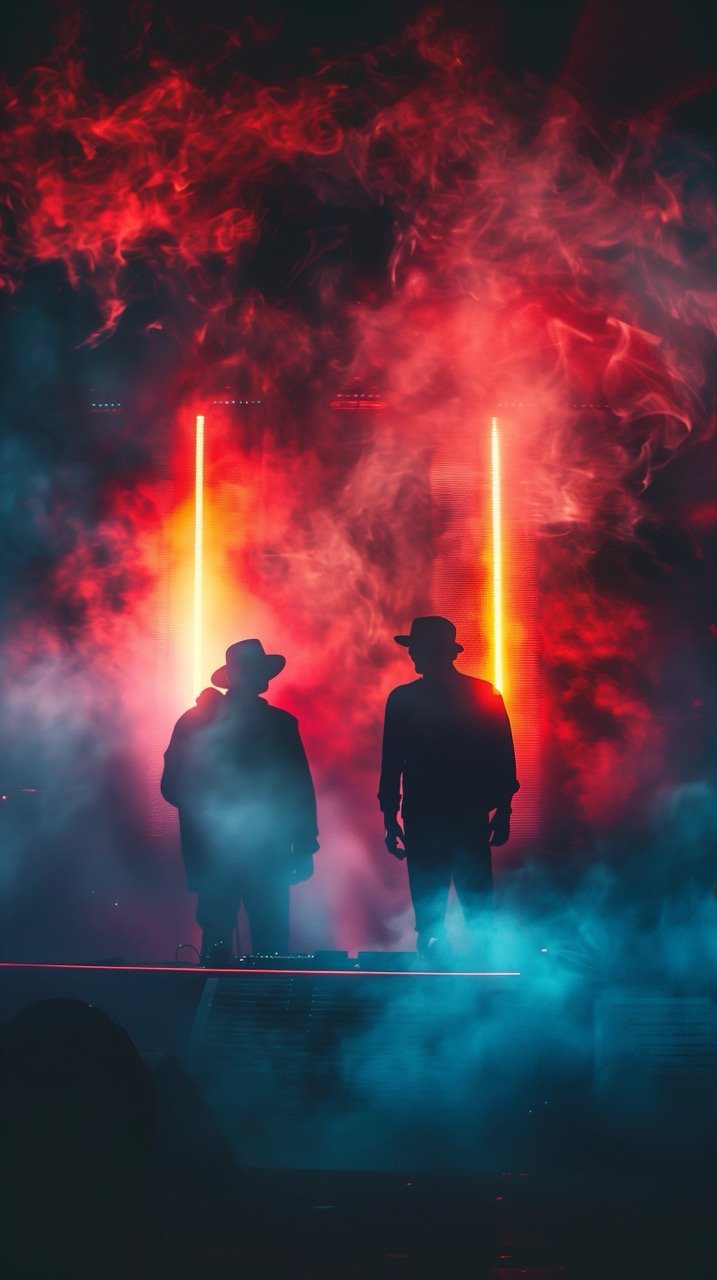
(77, 1118)
(237, 772)
(448, 762)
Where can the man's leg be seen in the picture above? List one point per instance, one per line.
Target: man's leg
(217, 906)
(429, 878)
(266, 899)
(473, 879)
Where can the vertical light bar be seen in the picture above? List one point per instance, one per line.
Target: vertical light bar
(197, 657)
(497, 530)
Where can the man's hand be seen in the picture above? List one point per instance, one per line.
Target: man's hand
(499, 827)
(395, 839)
(302, 861)
(302, 869)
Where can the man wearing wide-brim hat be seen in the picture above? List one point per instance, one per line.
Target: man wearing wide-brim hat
(237, 771)
(448, 763)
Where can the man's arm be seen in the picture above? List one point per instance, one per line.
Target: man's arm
(304, 842)
(389, 787)
(177, 765)
(505, 783)
(171, 782)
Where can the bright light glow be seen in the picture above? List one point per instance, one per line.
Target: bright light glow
(197, 656)
(496, 521)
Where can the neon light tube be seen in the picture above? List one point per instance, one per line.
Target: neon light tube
(197, 678)
(497, 532)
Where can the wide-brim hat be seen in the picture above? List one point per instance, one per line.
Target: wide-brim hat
(245, 656)
(433, 631)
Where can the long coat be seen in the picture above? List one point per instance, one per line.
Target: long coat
(237, 772)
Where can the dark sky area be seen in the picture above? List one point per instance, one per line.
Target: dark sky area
(625, 57)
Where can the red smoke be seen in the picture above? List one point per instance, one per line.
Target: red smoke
(541, 267)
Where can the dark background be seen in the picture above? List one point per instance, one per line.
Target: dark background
(625, 57)
(622, 63)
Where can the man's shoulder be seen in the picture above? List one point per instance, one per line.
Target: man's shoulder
(279, 716)
(483, 696)
(479, 688)
(207, 706)
(405, 692)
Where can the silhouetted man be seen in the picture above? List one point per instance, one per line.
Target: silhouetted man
(448, 748)
(237, 771)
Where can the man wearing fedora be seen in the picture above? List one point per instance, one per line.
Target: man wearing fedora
(237, 771)
(448, 764)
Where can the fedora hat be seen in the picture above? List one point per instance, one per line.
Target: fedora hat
(248, 655)
(435, 631)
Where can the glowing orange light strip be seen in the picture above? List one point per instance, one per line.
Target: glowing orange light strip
(198, 553)
(497, 530)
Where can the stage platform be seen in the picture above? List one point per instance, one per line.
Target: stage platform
(374, 1123)
(313, 1068)
(157, 1004)
(394, 1067)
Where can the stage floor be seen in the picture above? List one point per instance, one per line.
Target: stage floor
(361, 1125)
(157, 1004)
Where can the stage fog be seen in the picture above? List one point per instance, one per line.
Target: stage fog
(355, 277)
